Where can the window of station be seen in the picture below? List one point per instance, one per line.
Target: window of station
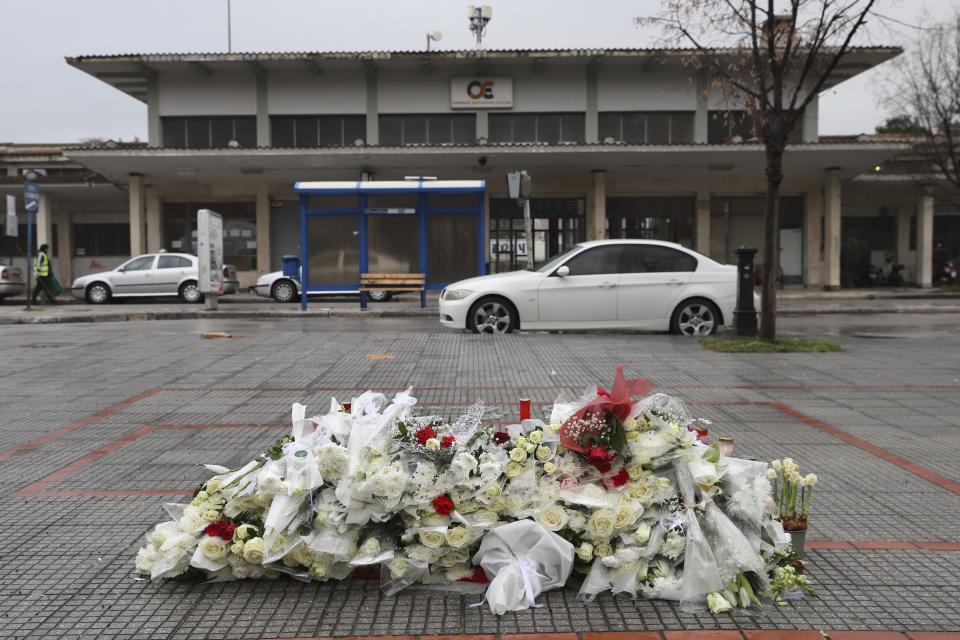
(647, 127)
(239, 230)
(731, 126)
(208, 132)
(101, 239)
(652, 218)
(316, 131)
(547, 128)
(558, 224)
(399, 130)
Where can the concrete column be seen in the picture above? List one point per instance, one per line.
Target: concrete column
(831, 230)
(373, 107)
(703, 222)
(263, 116)
(138, 242)
(45, 220)
(154, 131)
(64, 248)
(483, 125)
(154, 239)
(812, 238)
(592, 117)
(701, 118)
(597, 207)
(263, 230)
(811, 121)
(924, 238)
(903, 238)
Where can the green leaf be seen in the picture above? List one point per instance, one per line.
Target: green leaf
(713, 454)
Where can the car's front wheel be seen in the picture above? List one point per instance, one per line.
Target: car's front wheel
(98, 293)
(190, 292)
(492, 315)
(284, 291)
(695, 317)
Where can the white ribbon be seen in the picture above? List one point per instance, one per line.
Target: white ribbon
(526, 567)
(671, 521)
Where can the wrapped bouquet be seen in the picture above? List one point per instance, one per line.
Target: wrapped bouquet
(612, 490)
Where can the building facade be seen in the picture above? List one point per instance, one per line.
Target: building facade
(620, 144)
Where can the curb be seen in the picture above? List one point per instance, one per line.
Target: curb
(411, 313)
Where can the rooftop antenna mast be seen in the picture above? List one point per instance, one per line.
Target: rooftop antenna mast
(229, 30)
(479, 16)
(436, 36)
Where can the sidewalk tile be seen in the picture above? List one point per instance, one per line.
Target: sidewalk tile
(703, 635)
(623, 635)
(781, 634)
(866, 635)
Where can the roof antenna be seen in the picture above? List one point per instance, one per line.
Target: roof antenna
(229, 30)
(479, 17)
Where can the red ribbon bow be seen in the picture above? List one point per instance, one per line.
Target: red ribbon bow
(617, 401)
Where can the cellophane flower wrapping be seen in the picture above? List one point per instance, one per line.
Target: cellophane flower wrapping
(613, 483)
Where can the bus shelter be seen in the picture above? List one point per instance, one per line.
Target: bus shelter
(433, 227)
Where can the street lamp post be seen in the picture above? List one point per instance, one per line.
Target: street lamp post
(31, 202)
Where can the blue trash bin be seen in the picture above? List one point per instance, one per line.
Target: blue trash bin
(291, 266)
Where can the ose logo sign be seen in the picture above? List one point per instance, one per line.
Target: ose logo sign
(481, 93)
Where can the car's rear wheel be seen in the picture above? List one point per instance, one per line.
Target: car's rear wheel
(98, 293)
(492, 315)
(283, 291)
(695, 317)
(379, 296)
(190, 292)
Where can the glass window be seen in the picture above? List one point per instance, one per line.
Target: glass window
(239, 230)
(427, 129)
(221, 132)
(198, 132)
(681, 128)
(391, 130)
(548, 128)
(316, 131)
(538, 127)
(572, 127)
(108, 239)
(609, 126)
(598, 260)
(245, 131)
(305, 131)
(281, 132)
(208, 132)
(142, 263)
(174, 132)
(640, 258)
(328, 132)
(658, 128)
(173, 262)
(464, 129)
(354, 128)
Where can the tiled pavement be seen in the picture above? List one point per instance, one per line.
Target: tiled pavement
(100, 419)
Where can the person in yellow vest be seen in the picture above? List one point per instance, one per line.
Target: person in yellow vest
(41, 269)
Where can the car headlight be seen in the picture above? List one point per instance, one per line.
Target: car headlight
(456, 294)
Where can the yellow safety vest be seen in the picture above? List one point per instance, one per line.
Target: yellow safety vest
(42, 266)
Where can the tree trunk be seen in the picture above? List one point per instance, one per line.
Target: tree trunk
(771, 242)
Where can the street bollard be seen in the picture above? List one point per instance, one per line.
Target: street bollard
(745, 313)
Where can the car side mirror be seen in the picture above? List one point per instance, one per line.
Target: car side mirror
(563, 271)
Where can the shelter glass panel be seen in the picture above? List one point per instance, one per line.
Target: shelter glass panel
(393, 244)
(334, 249)
(451, 247)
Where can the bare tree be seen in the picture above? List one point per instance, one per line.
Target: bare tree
(926, 89)
(773, 59)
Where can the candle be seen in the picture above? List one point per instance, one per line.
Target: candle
(346, 407)
(726, 445)
(524, 409)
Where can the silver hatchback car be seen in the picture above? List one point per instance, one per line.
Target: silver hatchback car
(152, 275)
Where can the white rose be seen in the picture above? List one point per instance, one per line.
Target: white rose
(514, 468)
(432, 443)
(489, 470)
(431, 539)
(627, 514)
(370, 547)
(642, 533)
(530, 448)
(518, 454)
(549, 467)
(214, 547)
(543, 453)
(485, 517)
(600, 526)
(521, 441)
(553, 517)
(253, 551)
(492, 491)
(585, 551)
(457, 537)
(536, 437)
(398, 567)
(603, 550)
(146, 558)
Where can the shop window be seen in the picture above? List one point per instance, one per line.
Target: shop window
(239, 230)
(208, 132)
(545, 128)
(316, 131)
(398, 130)
(651, 218)
(647, 127)
(104, 239)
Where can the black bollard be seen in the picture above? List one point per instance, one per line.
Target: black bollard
(745, 313)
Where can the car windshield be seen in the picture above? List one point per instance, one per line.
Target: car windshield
(557, 260)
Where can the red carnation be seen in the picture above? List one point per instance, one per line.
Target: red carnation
(602, 467)
(622, 478)
(501, 437)
(597, 454)
(221, 529)
(425, 434)
(447, 441)
(443, 505)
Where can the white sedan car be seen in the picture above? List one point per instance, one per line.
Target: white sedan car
(283, 288)
(603, 284)
(163, 274)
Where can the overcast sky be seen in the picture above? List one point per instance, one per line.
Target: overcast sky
(45, 100)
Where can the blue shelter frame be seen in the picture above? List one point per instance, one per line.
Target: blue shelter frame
(362, 190)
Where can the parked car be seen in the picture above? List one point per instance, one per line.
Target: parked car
(147, 276)
(11, 282)
(604, 284)
(283, 288)
(230, 282)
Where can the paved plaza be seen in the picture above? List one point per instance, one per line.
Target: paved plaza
(103, 423)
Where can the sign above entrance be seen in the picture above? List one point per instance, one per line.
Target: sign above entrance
(390, 210)
(481, 93)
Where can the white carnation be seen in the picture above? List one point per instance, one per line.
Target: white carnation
(331, 460)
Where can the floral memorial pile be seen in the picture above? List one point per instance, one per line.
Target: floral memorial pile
(613, 491)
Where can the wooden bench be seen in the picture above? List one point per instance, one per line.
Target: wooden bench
(392, 282)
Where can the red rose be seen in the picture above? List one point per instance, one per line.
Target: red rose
(447, 441)
(442, 505)
(602, 467)
(622, 478)
(425, 434)
(221, 529)
(597, 454)
(501, 437)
